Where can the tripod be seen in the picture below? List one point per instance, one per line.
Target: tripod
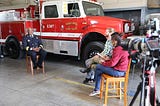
(1, 52)
(147, 85)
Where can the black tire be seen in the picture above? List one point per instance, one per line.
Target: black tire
(92, 49)
(12, 48)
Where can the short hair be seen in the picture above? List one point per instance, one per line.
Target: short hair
(29, 29)
(110, 30)
(116, 37)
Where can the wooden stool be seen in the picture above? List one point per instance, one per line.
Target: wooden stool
(115, 84)
(29, 65)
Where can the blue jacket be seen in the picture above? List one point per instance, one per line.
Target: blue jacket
(30, 42)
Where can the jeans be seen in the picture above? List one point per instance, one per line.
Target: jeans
(100, 69)
(90, 74)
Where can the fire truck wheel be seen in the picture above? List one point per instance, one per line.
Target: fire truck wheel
(92, 49)
(12, 48)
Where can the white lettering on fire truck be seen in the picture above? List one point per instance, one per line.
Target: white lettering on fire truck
(50, 25)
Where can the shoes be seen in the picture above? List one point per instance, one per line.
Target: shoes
(1, 56)
(91, 80)
(88, 81)
(34, 67)
(40, 66)
(84, 70)
(94, 93)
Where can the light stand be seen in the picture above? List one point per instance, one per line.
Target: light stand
(148, 84)
(140, 87)
(1, 52)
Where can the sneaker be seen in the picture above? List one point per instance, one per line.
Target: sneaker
(86, 81)
(40, 66)
(91, 81)
(1, 56)
(94, 93)
(84, 70)
(34, 67)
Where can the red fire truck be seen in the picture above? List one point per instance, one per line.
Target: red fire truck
(67, 27)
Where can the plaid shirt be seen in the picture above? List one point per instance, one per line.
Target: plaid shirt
(108, 48)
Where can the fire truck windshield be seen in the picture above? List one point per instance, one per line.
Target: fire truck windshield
(92, 9)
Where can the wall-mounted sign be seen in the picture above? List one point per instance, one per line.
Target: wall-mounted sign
(153, 3)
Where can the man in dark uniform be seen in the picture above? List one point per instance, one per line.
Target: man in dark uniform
(33, 45)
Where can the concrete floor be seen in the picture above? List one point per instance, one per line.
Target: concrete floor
(60, 86)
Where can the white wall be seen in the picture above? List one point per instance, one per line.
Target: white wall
(115, 4)
(15, 2)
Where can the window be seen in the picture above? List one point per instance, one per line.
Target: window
(51, 11)
(73, 10)
(92, 9)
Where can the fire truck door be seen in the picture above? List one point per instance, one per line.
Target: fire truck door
(70, 35)
(70, 29)
(71, 21)
(50, 23)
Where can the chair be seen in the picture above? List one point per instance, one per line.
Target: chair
(29, 65)
(114, 84)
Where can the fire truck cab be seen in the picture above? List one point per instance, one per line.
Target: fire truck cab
(67, 27)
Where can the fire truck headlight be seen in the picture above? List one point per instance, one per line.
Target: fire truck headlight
(132, 27)
(36, 1)
(126, 28)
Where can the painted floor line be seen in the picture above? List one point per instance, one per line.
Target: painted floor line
(74, 82)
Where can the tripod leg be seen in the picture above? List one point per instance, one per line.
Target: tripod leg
(157, 100)
(136, 94)
(152, 96)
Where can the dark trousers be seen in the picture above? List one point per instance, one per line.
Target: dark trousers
(33, 55)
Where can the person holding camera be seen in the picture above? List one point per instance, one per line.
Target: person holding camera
(33, 46)
(115, 66)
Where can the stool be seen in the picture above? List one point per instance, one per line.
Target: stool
(115, 84)
(29, 65)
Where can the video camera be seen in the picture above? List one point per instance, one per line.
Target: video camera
(149, 44)
(142, 45)
(144, 48)
(141, 49)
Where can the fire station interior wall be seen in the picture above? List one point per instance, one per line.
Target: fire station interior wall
(114, 4)
(138, 15)
(129, 15)
(153, 3)
(15, 2)
(131, 10)
(22, 1)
